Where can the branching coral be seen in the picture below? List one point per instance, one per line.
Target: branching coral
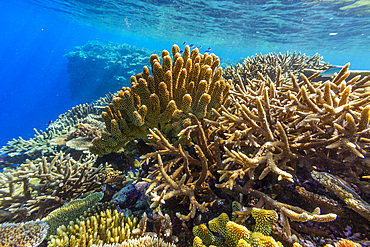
(283, 121)
(28, 234)
(190, 83)
(42, 144)
(266, 65)
(34, 189)
(104, 227)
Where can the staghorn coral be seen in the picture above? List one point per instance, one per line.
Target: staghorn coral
(71, 211)
(147, 241)
(236, 235)
(276, 123)
(266, 65)
(105, 227)
(34, 189)
(26, 234)
(185, 84)
(344, 192)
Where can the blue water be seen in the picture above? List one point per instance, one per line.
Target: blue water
(35, 35)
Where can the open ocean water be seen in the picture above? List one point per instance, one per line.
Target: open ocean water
(35, 35)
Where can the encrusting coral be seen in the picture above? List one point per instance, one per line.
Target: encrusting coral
(104, 227)
(71, 211)
(236, 235)
(26, 234)
(190, 83)
(35, 188)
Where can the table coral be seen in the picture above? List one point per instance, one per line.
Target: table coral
(28, 234)
(187, 83)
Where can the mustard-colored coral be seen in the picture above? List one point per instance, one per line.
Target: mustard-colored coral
(265, 220)
(236, 235)
(147, 241)
(102, 228)
(28, 234)
(71, 211)
(190, 83)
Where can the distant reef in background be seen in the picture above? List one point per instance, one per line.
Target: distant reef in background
(97, 68)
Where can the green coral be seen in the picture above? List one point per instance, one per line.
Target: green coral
(236, 235)
(29, 234)
(71, 211)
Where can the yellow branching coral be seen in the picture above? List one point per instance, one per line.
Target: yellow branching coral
(147, 241)
(105, 227)
(236, 235)
(28, 234)
(190, 83)
(71, 211)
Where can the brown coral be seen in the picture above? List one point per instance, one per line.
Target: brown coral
(35, 188)
(190, 83)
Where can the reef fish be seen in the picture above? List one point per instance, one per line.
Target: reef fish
(330, 72)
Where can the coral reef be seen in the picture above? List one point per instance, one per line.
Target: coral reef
(236, 235)
(104, 227)
(266, 65)
(44, 142)
(147, 241)
(102, 67)
(185, 84)
(35, 188)
(345, 193)
(70, 211)
(27, 234)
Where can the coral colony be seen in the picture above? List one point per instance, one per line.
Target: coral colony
(189, 151)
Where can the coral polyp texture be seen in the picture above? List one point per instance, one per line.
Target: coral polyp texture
(27, 234)
(236, 235)
(183, 84)
(105, 227)
(70, 211)
(147, 241)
